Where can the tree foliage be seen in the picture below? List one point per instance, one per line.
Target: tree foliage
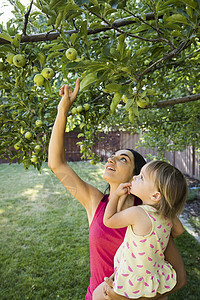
(133, 56)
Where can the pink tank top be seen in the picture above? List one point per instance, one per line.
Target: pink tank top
(104, 243)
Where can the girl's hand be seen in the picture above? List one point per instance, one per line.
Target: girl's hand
(68, 96)
(123, 189)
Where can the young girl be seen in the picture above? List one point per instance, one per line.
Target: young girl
(140, 266)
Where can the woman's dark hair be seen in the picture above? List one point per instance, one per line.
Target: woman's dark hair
(138, 160)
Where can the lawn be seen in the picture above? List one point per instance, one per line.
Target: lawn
(44, 251)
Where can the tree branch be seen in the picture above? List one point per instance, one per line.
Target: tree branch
(54, 35)
(139, 18)
(159, 39)
(26, 18)
(174, 101)
(167, 56)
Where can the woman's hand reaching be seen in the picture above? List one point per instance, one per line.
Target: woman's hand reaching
(68, 96)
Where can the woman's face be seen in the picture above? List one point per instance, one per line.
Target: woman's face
(120, 167)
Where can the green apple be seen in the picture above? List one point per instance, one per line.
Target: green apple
(86, 106)
(34, 159)
(1, 66)
(48, 73)
(17, 146)
(19, 61)
(9, 58)
(79, 108)
(28, 135)
(142, 102)
(39, 79)
(74, 110)
(71, 54)
(38, 123)
(37, 148)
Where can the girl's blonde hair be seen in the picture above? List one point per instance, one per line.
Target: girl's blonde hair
(172, 186)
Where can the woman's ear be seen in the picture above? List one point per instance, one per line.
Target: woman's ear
(156, 197)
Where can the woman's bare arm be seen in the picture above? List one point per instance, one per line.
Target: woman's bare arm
(86, 194)
(177, 228)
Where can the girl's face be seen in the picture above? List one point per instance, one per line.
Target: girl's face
(143, 186)
(120, 167)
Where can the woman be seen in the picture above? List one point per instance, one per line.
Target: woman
(120, 168)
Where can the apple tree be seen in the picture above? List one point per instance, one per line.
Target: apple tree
(139, 67)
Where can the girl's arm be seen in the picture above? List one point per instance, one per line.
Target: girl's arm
(118, 219)
(86, 194)
(177, 228)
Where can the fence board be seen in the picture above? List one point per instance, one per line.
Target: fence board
(186, 161)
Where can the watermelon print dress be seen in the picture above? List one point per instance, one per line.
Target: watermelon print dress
(140, 266)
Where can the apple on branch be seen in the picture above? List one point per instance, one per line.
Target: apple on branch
(39, 79)
(38, 123)
(34, 158)
(19, 61)
(48, 73)
(71, 54)
(86, 106)
(79, 108)
(28, 135)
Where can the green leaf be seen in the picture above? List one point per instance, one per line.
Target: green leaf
(42, 59)
(112, 87)
(115, 101)
(129, 103)
(190, 3)
(83, 31)
(16, 41)
(177, 18)
(87, 80)
(20, 6)
(57, 47)
(54, 54)
(95, 9)
(73, 38)
(70, 7)
(47, 86)
(141, 51)
(121, 43)
(80, 135)
(135, 109)
(6, 36)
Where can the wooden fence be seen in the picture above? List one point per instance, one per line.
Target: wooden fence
(187, 161)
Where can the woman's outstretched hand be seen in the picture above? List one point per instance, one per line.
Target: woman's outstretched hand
(68, 96)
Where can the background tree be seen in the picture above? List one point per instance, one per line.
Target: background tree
(139, 67)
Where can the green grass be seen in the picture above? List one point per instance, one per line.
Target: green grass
(44, 251)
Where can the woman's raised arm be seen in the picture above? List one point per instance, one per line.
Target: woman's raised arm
(86, 194)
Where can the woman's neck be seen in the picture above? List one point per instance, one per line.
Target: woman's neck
(113, 188)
